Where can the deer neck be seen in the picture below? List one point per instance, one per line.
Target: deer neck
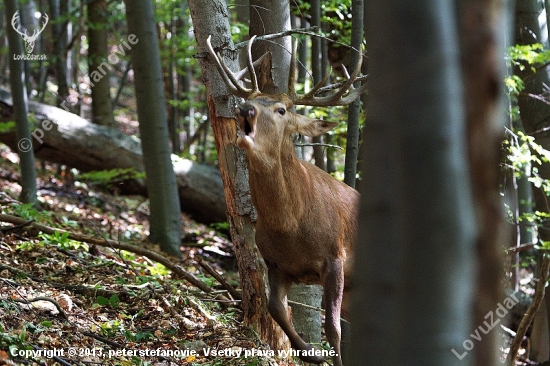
(278, 186)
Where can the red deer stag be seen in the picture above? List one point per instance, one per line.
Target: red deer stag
(306, 218)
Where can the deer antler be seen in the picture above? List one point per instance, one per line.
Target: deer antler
(231, 79)
(14, 21)
(312, 97)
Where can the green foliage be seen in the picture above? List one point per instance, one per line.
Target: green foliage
(61, 239)
(222, 227)
(138, 336)
(337, 15)
(6, 127)
(110, 329)
(113, 301)
(533, 55)
(524, 156)
(111, 176)
(26, 211)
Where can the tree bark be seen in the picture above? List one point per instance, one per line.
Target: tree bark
(317, 71)
(212, 19)
(153, 126)
(483, 69)
(59, 38)
(99, 66)
(95, 147)
(414, 259)
(354, 109)
(20, 109)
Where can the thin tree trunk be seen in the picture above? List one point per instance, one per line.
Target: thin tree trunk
(151, 107)
(416, 215)
(317, 72)
(59, 44)
(173, 119)
(99, 69)
(354, 109)
(19, 95)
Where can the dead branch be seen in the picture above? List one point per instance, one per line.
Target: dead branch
(531, 311)
(309, 31)
(219, 278)
(40, 298)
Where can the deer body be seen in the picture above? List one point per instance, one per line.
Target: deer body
(295, 201)
(306, 218)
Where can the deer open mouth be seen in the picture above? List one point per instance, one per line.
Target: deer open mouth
(246, 115)
(247, 129)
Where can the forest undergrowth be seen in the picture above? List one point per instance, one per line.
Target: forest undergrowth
(93, 304)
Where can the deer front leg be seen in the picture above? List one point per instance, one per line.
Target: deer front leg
(334, 287)
(279, 284)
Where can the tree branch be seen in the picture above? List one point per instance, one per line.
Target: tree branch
(532, 310)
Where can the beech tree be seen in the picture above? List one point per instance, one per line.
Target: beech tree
(102, 109)
(414, 259)
(20, 102)
(153, 126)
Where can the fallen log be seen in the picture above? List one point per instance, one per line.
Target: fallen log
(65, 138)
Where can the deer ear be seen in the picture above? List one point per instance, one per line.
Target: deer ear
(313, 127)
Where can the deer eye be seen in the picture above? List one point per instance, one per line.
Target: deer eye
(281, 111)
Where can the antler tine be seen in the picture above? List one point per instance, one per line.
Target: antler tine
(250, 64)
(238, 75)
(292, 71)
(336, 98)
(229, 79)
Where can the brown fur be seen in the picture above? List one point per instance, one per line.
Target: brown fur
(306, 218)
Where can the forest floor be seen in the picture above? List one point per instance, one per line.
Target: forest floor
(66, 302)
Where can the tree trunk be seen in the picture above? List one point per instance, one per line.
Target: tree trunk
(414, 259)
(212, 19)
(317, 71)
(99, 66)
(263, 22)
(20, 108)
(153, 126)
(483, 69)
(354, 109)
(59, 43)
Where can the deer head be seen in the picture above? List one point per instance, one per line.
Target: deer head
(306, 218)
(28, 39)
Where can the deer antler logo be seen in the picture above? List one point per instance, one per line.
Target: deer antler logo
(28, 39)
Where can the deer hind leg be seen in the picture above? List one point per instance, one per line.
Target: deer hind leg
(334, 286)
(279, 284)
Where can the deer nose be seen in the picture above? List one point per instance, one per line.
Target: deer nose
(245, 110)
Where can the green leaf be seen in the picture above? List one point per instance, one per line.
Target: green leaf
(46, 323)
(103, 301)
